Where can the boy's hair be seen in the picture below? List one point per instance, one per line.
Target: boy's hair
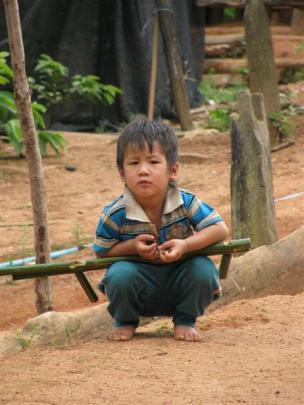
(142, 132)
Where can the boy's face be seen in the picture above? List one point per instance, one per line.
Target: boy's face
(146, 173)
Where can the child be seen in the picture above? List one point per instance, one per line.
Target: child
(155, 219)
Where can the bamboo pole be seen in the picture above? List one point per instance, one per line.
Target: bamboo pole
(153, 78)
(222, 248)
(24, 108)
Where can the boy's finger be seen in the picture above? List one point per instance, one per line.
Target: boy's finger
(149, 248)
(166, 245)
(145, 236)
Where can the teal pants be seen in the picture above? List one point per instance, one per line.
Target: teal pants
(182, 290)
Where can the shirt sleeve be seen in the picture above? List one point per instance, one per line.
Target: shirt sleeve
(107, 234)
(202, 214)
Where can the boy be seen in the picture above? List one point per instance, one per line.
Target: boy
(155, 219)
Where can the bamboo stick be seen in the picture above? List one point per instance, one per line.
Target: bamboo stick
(229, 247)
(153, 78)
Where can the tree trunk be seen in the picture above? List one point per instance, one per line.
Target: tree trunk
(23, 103)
(253, 210)
(297, 23)
(265, 268)
(263, 76)
(174, 63)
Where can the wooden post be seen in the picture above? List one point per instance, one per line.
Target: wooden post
(253, 209)
(297, 23)
(153, 77)
(24, 108)
(174, 64)
(262, 70)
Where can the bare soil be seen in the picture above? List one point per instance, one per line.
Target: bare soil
(252, 350)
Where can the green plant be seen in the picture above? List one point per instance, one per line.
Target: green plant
(25, 340)
(24, 239)
(162, 330)
(70, 330)
(219, 119)
(242, 70)
(222, 95)
(6, 73)
(9, 282)
(229, 13)
(52, 85)
(300, 47)
(282, 121)
(291, 75)
(78, 234)
(10, 123)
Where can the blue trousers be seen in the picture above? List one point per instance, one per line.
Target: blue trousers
(181, 289)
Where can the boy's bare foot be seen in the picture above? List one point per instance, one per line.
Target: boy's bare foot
(122, 333)
(186, 333)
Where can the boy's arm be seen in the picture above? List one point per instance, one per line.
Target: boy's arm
(143, 245)
(206, 237)
(125, 248)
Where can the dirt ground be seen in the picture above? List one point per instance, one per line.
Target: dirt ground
(252, 350)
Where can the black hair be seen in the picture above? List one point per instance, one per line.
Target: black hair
(142, 132)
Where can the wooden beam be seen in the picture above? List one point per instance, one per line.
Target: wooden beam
(242, 3)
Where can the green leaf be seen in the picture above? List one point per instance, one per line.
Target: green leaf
(7, 102)
(37, 110)
(54, 139)
(3, 80)
(5, 69)
(14, 133)
(42, 144)
(4, 54)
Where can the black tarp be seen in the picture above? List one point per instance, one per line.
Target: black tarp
(112, 39)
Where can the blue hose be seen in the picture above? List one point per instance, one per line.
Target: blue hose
(54, 255)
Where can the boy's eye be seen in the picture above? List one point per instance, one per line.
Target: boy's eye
(133, 162)
(154, 162)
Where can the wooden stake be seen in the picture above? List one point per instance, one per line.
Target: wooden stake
(24, 108)
(153, 77)
(174, 64)
(263, 76)
(252, 202)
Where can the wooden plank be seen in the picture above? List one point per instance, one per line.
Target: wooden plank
(242, 3)
(233, 65)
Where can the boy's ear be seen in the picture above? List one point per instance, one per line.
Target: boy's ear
(121, 173)
(174, 171)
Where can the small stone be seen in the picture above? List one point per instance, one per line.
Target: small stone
(70, 168)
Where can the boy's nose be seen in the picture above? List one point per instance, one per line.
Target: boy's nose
(143, 169)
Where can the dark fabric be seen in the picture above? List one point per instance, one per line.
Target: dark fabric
(182, 290)
(112, 39)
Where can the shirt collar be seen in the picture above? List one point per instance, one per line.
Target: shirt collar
(135, 211)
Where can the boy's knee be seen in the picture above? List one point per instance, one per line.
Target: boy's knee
(121, 276)
(203, 271)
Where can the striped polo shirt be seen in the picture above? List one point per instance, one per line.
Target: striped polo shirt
(124, 219)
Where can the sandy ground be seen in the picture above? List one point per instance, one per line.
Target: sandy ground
(251, 353)
(252, 350)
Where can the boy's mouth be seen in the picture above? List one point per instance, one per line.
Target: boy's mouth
(144, 182)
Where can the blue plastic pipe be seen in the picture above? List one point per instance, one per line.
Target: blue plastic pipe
(54, 255)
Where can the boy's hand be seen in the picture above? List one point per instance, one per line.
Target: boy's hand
(172, 250)
(146, 246)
